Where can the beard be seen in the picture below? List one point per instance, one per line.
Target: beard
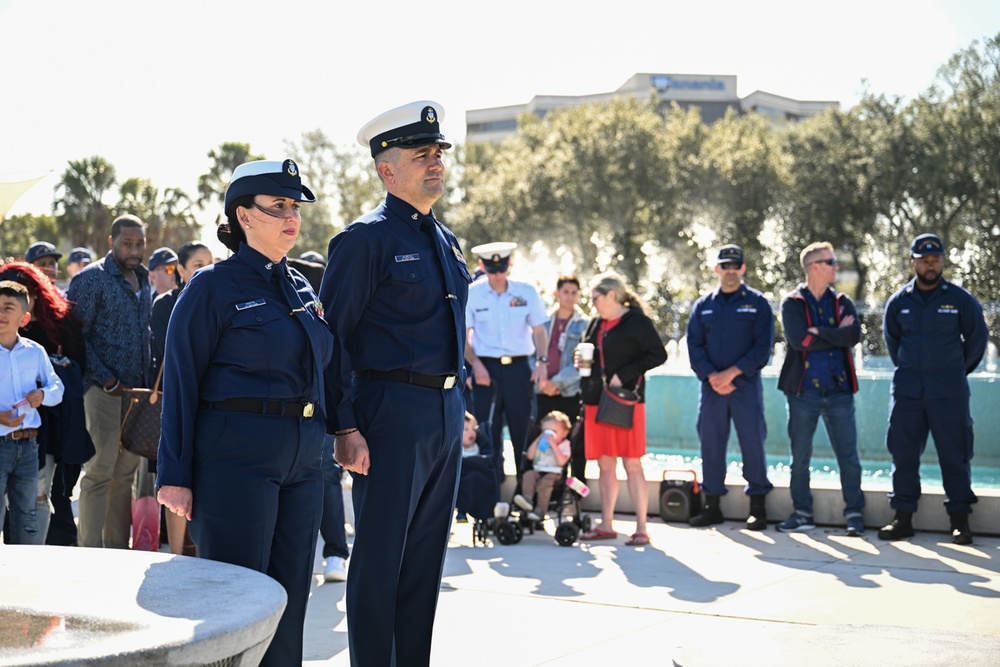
(929, 278)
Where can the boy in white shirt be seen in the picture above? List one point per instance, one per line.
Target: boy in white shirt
(27, 381)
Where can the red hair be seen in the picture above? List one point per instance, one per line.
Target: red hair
(51, 307)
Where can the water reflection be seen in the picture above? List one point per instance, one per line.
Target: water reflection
(25, 630)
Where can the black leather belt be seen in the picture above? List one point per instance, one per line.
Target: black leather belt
(259, 406)
(22, 434)
(399, 375)
(505, 360)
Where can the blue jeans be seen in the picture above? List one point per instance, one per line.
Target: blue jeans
(19, 478)
(331, 526)
(837, 410)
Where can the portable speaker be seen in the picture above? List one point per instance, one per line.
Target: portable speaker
(680, 499)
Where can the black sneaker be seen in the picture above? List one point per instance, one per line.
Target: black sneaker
(900, 528)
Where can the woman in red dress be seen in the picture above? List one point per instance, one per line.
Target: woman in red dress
(627, 345)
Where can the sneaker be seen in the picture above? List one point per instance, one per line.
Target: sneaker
(523, 503)
(855, 526)
(461, 518)
(534, 517)
(796, 523)
(335, 569)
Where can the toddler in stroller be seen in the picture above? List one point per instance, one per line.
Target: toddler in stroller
(548, 455)
(478, 489)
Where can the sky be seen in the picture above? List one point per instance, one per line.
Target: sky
(154, 86)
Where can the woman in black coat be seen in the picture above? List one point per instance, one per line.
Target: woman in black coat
(626, 346)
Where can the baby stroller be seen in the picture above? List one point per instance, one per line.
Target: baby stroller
(478, 489)
(512, 520)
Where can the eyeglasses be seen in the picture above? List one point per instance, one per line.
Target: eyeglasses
(595, 295)
(280, 213)
(169, 269)
(731, 266)
(829, 262)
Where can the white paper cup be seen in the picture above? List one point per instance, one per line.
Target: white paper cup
(586, 354)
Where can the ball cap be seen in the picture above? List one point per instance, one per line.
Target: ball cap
(39, 250)
(495, 256)
(267, 177)
(926, 244)
(160, 256)
(729, 253)
(411, 125)
(80, 255)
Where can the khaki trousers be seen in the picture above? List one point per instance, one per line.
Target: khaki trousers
(106, 484)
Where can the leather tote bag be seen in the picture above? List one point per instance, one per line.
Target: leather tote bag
(141, 410)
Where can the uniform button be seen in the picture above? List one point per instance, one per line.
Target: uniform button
(258, 319)
(413, 275)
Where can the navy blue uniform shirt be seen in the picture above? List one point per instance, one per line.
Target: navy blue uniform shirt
(934, 342)
(723, 332)
(233, 334)
(385, 295)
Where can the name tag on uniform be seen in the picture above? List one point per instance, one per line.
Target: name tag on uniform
(904, 311)
(948, 309)
(746, 309)
(707, 311)
(250, 304)
(408, 258)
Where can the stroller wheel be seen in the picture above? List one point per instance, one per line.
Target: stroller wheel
(584, 522)
(506, 534)
(518, 532)
(566, 534)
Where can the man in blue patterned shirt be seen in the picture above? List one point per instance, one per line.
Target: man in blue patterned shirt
(111, 297)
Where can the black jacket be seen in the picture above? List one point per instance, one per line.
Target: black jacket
(796, 319)
(630, 349)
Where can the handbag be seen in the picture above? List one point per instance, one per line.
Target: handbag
(141, 412)
(616, 406)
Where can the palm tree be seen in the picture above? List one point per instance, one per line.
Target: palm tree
(79, 202)
(167, 214)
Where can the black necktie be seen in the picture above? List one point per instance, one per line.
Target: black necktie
(444, 253)
(298, 310)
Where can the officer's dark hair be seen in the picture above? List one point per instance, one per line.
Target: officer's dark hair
(562, 280)
(609, 281)
(15, 290)
(230, 233)
(123, 221)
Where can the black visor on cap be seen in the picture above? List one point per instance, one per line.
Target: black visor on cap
(287, 183)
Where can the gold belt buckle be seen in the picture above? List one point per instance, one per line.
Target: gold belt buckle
(505, 360)
(450, 381)
(308, 409)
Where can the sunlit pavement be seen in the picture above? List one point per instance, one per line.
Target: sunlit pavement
(717, 596)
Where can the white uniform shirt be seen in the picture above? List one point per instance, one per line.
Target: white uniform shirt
(501, 323)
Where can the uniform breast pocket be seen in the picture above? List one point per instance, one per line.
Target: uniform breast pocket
(409, 272)
(708, 321)
(907, 322)
(251, 326)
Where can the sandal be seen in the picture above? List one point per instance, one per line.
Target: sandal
(637, 540)
(598, 534)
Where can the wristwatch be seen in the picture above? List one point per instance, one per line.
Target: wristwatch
(543, 360)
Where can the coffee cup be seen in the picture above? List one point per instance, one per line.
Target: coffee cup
(585, 354)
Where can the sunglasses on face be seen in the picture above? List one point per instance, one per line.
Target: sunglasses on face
(828, 262)
(731, 266)
(169, 269)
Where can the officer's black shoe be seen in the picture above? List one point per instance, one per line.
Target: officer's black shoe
(710, 513)
(901, 527)
(758, 513)
(960, 533)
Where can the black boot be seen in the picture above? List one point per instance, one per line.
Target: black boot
(901, 526)
(960, 533)
(758, 513)
(710, 513)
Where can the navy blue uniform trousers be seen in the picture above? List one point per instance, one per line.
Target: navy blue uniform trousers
(950, 422)
(403, 512)
(745, 407)
(257, 496)
(509, 395)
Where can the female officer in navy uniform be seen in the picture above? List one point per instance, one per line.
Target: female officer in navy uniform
(243, 417)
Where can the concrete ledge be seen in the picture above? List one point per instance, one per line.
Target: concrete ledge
(73, 606)
(828, 505)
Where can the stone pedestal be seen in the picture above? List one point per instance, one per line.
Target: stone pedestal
(72, 606)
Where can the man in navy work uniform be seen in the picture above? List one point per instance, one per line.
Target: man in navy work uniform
(821, 328)
(506, 319)
(394, 291)
(729, 338)
(936, 335)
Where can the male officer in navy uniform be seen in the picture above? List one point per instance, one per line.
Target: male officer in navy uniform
(936, 335)
(395, 290)
(729, 337)
(506, 320)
